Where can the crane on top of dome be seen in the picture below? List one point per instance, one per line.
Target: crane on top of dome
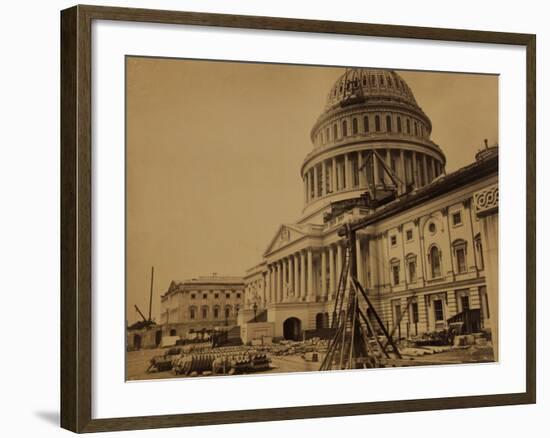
(353, 92)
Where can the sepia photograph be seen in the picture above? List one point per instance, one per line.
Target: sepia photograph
(289, 218)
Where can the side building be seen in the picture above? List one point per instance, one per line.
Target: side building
(201, 303)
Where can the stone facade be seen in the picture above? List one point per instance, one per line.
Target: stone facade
(204, 302)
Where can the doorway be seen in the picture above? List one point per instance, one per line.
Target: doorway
(292, 329)
(137, 342)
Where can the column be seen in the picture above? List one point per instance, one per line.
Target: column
(284, 290)
(306, 183)
(305, 188)
(290, 277)
(302, 274)
(486, 207)
(359, 259)
(339, 263)
(373, 266)
(360, 171)
(403, 173)
(347, 178)
(332, 276)
(323, 273)
(323, 179)
(432, 162)
(276, 283)
(296, 276)
(315, 181)
(415, 170)
(388, 165)
(334, 176)
(310, 292)
(283, 281)
(268, 285)
(375, 169)
(425, 168)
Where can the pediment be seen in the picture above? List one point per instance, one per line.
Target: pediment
(285, 235)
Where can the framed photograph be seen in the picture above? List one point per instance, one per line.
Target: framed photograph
(268, 219)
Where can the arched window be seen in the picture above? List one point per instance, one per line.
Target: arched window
(366, 123)
(415, 129)
(398, 124)
(388, 123)
(364, 80)
(192, 312)
(408, 126)
(216, 312)
(435, 261)
(377, 123)
(227, 312)
(344, 128)
(327, 135)
(354, 126)
(382, 80)
(390, 83)
(335, 131)
(204, 312)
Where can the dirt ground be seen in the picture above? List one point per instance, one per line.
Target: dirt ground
(138, 362)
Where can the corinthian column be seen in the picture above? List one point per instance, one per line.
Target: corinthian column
(276, 283)
(334, 177)
(323, 273)
(332, 276)
(268, 285)
(296, 285)
(359, 258)
(310, 291)
(284, 288)
(339, 263)
(302, 275)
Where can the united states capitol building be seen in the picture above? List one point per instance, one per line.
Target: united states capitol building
(428, 256)
(430, 251)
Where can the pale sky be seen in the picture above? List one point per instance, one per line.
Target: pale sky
(214, 151)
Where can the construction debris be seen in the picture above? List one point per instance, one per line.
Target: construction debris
(193, 360)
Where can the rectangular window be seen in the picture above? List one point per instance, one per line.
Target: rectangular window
(457, 219)
(393, 240)
(395, 273)
(438, 310)
(216, 296)
(409, 234)
(414, 311)
(192, 296)
(460, 260)
(227, 296)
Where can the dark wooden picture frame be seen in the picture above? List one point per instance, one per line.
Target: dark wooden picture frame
(76, 218)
